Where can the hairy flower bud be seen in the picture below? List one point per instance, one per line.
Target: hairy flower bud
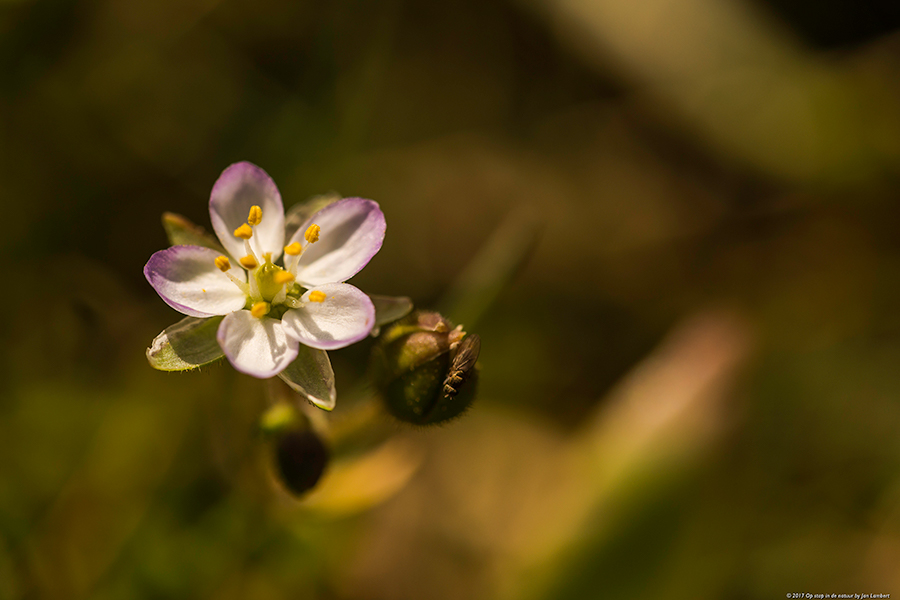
(425, 369)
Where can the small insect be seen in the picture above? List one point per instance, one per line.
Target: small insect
(462, 365)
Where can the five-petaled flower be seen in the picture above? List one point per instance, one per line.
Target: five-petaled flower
(271, 309)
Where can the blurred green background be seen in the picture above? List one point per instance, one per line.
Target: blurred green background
(690, 389)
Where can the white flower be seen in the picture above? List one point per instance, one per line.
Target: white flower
(271, 309)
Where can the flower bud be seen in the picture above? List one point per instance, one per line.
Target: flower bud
(425, 369)
(300, 455)
(301, 458)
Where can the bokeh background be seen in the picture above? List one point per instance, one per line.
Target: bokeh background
(674, 224)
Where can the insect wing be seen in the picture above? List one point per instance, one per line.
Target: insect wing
(462, 365)
(466, 354)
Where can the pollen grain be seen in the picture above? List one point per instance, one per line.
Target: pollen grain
(283, 277)
(222, 263)
(244, 232)
(248, 262)
(312, 233)
(255, 215)
(317, 296)
(260, 309)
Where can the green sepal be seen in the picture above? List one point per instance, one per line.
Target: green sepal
(182, 232)
(388, 309)
(188, 344)
(311, 375)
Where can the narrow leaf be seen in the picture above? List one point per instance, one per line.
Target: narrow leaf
(310, 375)
(182, 232)
(493, 268)
(188, 344)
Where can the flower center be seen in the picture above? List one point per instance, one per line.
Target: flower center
(270, 279)
(269, 285)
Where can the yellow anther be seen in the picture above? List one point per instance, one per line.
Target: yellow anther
(317, 296)
(222, 263)
(293, 249)
(255, 215)
(312, 233)
(248, 262)
(283, 277)
(244, 232)
(260, 309)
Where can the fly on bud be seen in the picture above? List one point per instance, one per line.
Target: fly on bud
(462, 367)
(426, 369)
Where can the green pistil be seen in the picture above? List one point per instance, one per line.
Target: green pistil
(265, 279)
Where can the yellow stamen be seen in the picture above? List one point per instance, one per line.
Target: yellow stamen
(255, 215)
(244, 232)
(222, 263)
(317, 296)
(293, 249)
(312, 233)
(260, 309)
(283, 277)
(248, 262)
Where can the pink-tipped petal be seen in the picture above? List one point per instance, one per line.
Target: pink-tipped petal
(239, 187)
(257, 347)
(351, 233)
(346, 315)
(187, 279)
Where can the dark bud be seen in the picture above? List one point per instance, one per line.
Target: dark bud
(426, 369)
(301, 458)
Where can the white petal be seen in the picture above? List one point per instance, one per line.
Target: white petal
(344, 317)
(257, 347)
(239, 187)
(352, 231)
(187, 278)
(311, 375)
